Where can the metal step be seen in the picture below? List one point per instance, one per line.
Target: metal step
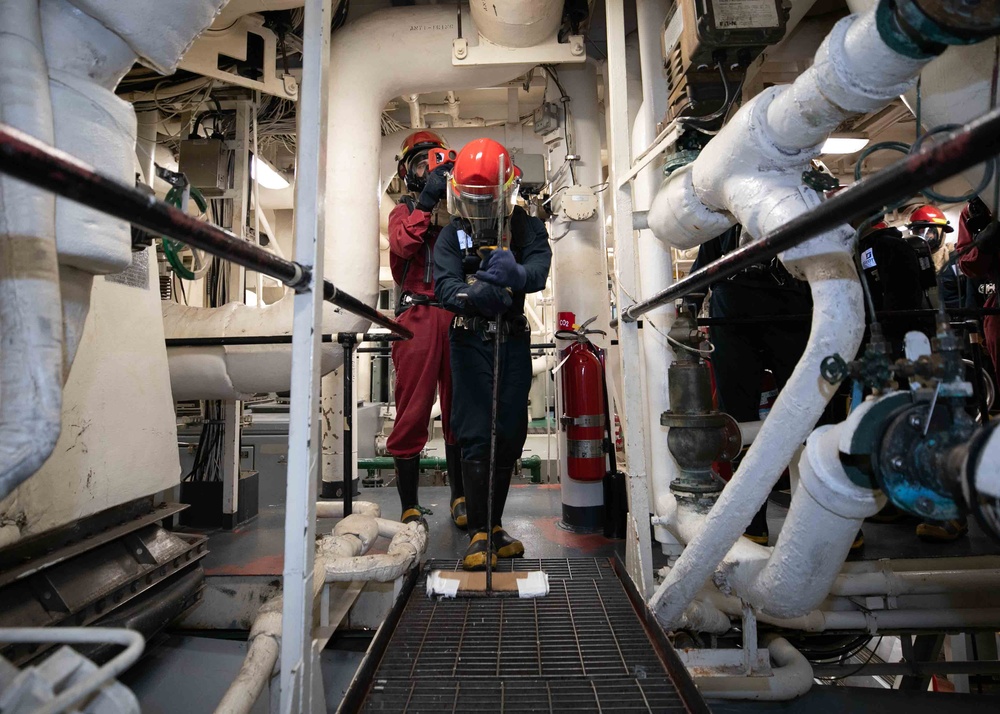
(590, 645)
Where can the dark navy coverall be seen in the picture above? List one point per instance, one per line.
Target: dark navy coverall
(472, 350)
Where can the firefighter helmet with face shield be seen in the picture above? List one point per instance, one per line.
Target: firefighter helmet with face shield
(929, 224)
(411, 162)
(483, 188)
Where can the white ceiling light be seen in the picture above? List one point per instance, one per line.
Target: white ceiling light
(266, 176)
(844, 145)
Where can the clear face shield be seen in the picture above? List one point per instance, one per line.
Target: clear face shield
(932, 235)
(486, 208)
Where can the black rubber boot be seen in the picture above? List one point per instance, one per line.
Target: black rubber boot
(504, 545)
(407, 480)
(475, 476)
(453, 455)
(757, 530)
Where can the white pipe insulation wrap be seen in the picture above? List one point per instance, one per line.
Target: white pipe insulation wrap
(262, 654)
(825, 515)
(750, 173)
(837, 327)
(160, 32)
(517, 23)
(374, 57)
(86, 62)
(344, 556)
(31, 352)
(791, 678)
(335, 509)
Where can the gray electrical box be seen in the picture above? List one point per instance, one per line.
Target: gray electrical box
(205, 162)
(532, 170)
(546, 118)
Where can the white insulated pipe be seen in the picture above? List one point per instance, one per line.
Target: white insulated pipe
(855, 619)
(344, 554)
(335, 509)
(655, 267)
(837, 327)
(750, 173)
(824, 517)
(373, 61)
(517, 23)
(791, 678)
(31, 359)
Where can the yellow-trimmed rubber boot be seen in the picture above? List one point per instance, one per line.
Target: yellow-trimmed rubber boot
(942, 531)
(757, 530)
(475, 554)
(414, 515)
(459, 514)
(505, 545)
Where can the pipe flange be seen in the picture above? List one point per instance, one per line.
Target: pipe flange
(827, 483)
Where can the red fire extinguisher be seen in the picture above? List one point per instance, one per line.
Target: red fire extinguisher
(584, 410)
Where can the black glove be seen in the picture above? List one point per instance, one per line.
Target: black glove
(434, 188)
(487, 299)
(501, 268)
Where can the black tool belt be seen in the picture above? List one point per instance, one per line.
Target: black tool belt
(408, 300)
(510, 326)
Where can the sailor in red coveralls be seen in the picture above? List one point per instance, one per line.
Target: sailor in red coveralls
(423, 363)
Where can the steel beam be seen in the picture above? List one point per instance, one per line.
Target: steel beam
(298, 675)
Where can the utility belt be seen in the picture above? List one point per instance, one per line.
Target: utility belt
(510, 326)
(408, 300)
(772, 270)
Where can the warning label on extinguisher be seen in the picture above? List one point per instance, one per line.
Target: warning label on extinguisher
(744, 14)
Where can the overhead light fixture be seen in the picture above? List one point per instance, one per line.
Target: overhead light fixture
(266, 175)
(844, 145)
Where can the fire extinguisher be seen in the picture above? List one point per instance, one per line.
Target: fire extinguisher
(584, 412)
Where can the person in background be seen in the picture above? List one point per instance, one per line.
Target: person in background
(422, 364)
(486, 260)
(980, 263)
(743, 351)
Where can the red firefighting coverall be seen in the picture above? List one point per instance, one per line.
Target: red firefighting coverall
(424, 362)
(982, 265)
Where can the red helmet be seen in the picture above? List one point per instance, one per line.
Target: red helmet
(484, 184)
(411, 162)
(929, 223)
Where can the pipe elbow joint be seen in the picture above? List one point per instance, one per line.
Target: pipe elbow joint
(679, 218)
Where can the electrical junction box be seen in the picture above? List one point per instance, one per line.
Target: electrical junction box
(205, 162)
(700, 35)
(577, 203)
(546, 118)
(532, 171)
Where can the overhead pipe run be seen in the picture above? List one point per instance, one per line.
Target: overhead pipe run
(47, 168)
(960, 150)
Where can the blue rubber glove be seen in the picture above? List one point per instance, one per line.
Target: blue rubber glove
(489, 300)
(434, 189)
(501, 268)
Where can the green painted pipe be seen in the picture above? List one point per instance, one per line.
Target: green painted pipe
(385, 463)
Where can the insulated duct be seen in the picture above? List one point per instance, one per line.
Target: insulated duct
(372, 61)
(60, 64)
(517, 23)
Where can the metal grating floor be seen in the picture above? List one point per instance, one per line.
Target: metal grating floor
(581, 648)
